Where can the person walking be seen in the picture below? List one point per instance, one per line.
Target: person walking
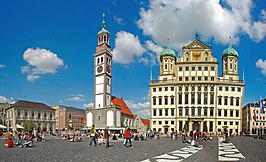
(106, 137)
(128, 135)
(93, 135)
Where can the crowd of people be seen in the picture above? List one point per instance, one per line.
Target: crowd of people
(24, 139)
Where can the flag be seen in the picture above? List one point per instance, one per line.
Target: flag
(262, 107)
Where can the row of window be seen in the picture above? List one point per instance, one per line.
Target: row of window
(100, 60)
(199, 88)
(184, 111)
(196, 99)
(205, 78)
(225, 123)
(231, 113)
(32, 115)
(199, 68)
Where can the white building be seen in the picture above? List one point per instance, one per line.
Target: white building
(189, 91)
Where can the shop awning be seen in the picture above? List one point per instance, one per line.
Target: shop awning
(19, 126)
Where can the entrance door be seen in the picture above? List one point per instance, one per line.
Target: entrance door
(165, 130)
(196, 126)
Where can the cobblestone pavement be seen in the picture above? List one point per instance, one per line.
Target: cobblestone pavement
(165, 148)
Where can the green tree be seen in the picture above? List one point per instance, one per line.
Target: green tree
(29, 125)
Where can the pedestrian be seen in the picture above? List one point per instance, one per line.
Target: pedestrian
(9, 143)
(128, 135)
(93, 135)
(106, 137)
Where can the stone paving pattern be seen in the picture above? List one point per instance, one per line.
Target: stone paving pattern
(54, 149)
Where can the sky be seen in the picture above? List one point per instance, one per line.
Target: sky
(47, 47)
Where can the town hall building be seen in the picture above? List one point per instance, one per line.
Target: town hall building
(189, 94)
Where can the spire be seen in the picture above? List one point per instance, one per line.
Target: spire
(231, 40)
(168, 46)
(197, 35)
(103, 23)
(151, 75)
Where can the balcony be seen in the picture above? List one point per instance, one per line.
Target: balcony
(230, 81)
(162, 81)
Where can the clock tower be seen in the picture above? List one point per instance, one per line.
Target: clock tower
(103, 70)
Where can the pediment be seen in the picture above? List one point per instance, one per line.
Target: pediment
(196, 44)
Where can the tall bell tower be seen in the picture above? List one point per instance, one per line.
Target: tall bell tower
(103, 70)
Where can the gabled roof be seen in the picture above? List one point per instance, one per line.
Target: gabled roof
(120, 102)
(145, 122)
(196, 44)
(135, 116)
(30, 104)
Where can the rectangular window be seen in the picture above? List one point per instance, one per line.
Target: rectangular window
(205, 98)
(180, 68)
(154, 89)
(205, 111)
(160, 122)
(180, 78)
(166, 122)
(172, 112)
(180, 125)
(154, 101)
(212, 68)
(211, 126)
(219, 112)
(236, 123)
(160, 112)
(237, 113)
(205, 78)
(226, 88)
(172, 88)
(166, 112)
(160, 101)
(211, 112)
(238, 89)
(220, 88)
(199, 111)
(186, 78)
(192, 98)
(231, 113)
(219, 122)
(165, 88)
(212, 78)
(160, 89)
(231, 123)
(154, 122)
(180, 111)
(233, 89)
(225, 123)
(211, 99)
(187, 68)
(186, 111)
(180, 99)
(154, 112)
(186, 98)
(219, 100)
(193, 68)
(172, 122)
(231, 101)
(225, 113)
(192, 78)
(237, 101)
(172, 100)
(166, 100)
(199, 98)
(199, 78)
(199, 68)
(206, 68)
(225, 101)
(180, 88)
(193, 111)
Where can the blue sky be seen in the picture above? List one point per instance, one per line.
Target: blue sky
(47, 47)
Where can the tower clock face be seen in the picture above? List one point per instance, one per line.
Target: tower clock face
(108, 69)
(99, 69)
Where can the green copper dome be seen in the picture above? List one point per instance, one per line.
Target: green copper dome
(103, 29)
(168, 52)
(229, 50)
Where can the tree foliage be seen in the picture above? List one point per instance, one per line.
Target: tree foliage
(29, 125)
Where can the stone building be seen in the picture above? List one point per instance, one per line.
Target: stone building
(20, 111)
(190, 94)
(253, 119)
(69, 117)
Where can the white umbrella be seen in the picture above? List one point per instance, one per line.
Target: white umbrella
(2, 126)
(19, 126)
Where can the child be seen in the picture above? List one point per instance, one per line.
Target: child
(9, 143)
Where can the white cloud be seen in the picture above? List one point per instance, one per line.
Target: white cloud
(40, 62)
(78, 97)
(127, 46)
(2, 66)
(119, 20)
(89, 105)
(262, 65)
(141, 108)
(3, 99)
(212, 19)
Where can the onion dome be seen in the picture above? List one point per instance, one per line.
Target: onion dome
(168, 52)
(230, 51)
